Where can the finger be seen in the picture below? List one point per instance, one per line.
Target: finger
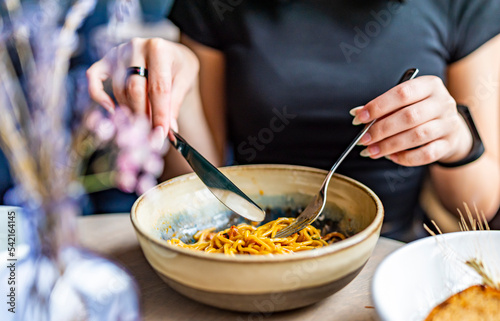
(159, 85)
(136, 94)
(355, 110)
(184, 76)
(406, 140)
(402, 95)
(174, 127)
(424, 155)
(96, 75)
(119, 89)
(158, 138)
(402, 120)
(180, 87)
(124, 51)
(136, 85)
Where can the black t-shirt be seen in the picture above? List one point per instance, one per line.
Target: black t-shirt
(295, 68)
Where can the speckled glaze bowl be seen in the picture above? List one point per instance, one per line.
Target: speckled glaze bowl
(182, 206)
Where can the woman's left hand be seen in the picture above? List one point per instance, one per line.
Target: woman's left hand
(417, 124)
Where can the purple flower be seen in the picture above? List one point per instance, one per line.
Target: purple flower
(105, 130)
(132, 133)
(154, 165)
(92, 120)
(129, 137)
(127, 161)
(127, 181)
(146, 182)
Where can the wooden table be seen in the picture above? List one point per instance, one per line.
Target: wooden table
(113, 236)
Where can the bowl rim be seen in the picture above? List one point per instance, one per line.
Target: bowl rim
(381, 308)
(349, 242)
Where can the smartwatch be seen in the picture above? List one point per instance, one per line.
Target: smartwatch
(477, 144)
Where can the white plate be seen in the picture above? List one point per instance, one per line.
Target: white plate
(414, 279)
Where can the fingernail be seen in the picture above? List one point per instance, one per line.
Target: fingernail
(392, 157)
(110, 108)
(356, 121)
(365, 139)
(363, 116)
(158, 138)
(370, 151)
(374, 150)
(354, 111)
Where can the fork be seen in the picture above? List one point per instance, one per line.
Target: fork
(316, 206)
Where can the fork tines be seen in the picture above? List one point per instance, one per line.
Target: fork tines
(292, 228)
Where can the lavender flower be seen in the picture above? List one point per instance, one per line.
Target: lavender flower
(47, 158)
(34, 135)
(129, 137)
(127, 181)
(146, 181)
(154, 165)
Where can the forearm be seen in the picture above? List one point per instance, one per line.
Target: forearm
(477, 184)
(474, 81)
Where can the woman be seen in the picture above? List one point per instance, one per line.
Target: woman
(278, 81)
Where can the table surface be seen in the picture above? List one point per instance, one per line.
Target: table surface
(113, 236)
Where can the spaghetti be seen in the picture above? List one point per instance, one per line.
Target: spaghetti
(248, 239)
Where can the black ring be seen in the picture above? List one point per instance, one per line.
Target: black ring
(141, 71)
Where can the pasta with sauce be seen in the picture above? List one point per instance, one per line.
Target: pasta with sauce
(248, 239)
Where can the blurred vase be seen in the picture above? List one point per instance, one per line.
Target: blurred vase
(55, 279)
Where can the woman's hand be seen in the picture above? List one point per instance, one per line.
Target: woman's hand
(172, 71)
(417, 124)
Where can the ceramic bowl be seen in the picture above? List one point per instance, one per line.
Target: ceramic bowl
(410, 282)
(182, 206)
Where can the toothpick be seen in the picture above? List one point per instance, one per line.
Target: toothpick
(472, 220)
(482, 224)
(431, 232)
(436, 226)
(480, 269)
(485, 221)
(462, 219)
(479, 219)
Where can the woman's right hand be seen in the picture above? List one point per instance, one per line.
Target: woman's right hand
(172, 71)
